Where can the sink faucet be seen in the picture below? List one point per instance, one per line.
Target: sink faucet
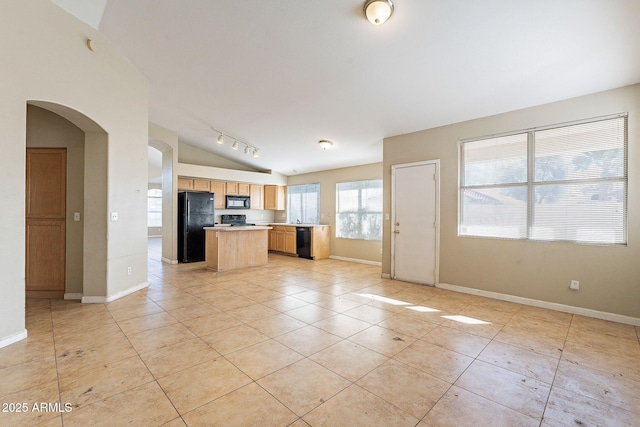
(298, 221)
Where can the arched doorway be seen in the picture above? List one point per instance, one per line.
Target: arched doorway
(86, 143)
(166, 142)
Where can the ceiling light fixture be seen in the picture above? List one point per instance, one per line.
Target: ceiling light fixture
(324, 144)
(378, 11)
(248, 148)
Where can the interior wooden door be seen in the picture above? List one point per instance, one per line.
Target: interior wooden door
(46, 186)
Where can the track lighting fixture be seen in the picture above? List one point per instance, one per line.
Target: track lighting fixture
(248, 148)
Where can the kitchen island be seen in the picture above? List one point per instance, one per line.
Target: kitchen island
(229, 248)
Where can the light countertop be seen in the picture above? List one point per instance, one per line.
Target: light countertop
(286, 224)
(239, 228)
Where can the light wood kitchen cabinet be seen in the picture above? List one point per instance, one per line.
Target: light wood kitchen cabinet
(274, 197)
(320, 237)
(283, 239)
(232, 188)
(230, 249)
(272, 240)
(201, 184)
(219, 189)
(290, 240)
(243, 189)
(257, 196)
(193, 184)
(185, 183)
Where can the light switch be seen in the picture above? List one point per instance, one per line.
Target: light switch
(76, 216)
(114, 216)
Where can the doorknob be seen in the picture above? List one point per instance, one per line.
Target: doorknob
(397, 224)
(396, 231)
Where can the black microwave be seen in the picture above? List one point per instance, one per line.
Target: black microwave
(238, 202)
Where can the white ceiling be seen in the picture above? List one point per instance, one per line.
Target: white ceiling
(283, 74)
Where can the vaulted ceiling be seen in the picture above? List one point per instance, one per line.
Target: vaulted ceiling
(282, 74)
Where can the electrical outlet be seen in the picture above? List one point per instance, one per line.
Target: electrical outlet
(575, 285)
(129, 271)
(76, 216)
(114, 216)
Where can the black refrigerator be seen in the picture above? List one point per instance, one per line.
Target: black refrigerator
(195, 211)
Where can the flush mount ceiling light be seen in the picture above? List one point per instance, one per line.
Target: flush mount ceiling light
(378, 11)
(324, 144)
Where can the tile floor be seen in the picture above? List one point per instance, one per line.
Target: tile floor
(320, 343)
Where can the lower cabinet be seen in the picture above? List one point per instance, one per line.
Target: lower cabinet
(282, 238)
(320, 237)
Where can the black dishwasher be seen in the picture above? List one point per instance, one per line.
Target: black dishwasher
(303, 242)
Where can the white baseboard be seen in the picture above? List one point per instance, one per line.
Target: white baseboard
(169, 261)
(386, 276)
(360, 261)
(102, 300)
(72, 296)
(13, 338)
(544, 304)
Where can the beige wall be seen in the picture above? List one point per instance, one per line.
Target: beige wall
(366, 250)
(46, 129)
(609, 276)
(46, 62)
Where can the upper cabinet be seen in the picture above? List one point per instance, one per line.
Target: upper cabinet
(269, 197)
(219, 190)
(243, 189)
(232, 188)
(257, 196)
(274, 197)
(201, 184)
(238, 189)
(185, 183)
(194, 184)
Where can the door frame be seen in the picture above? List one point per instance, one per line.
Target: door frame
(435, 162)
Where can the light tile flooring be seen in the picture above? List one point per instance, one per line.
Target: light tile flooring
(320, 343)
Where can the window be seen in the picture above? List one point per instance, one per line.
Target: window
(359, 210)
(154, 207)
(304, 203)
(558, 183)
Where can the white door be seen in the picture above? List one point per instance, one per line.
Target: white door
(415, 226)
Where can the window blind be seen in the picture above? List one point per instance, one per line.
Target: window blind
(559, 183)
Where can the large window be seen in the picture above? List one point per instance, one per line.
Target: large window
(304, 203)
(558, 183)
(154, 207)
(359, 210)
